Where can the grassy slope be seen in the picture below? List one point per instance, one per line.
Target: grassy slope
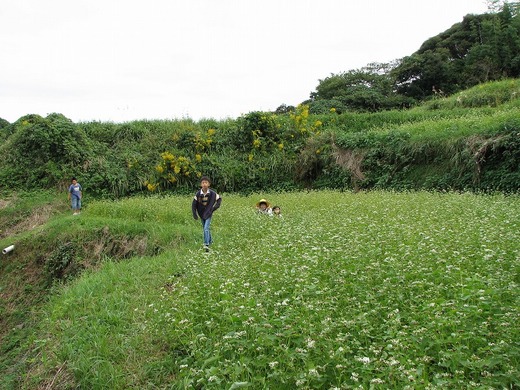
(42, 229)
(348, 289)
(456, 115)
(452, 142)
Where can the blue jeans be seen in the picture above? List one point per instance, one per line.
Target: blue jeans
(76, 203)
(206, 232)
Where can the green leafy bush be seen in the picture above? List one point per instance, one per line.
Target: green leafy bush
(44, 152)
(458, 144)
(61, 258)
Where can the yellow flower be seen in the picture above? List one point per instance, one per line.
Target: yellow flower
(280, 146)
(318, 151)
(198, 157)
(256, 143)
(333, 110)
(159, 168)
(167, 156)
(177, 169)
(250, 157)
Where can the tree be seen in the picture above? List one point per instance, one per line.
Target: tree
(44, 152)
(370, 88)
(284, 109)
(4, 125)
(481, 48)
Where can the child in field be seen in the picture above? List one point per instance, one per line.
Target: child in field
(75, 195)
(277, 212)
(204, 203)
(264, 207)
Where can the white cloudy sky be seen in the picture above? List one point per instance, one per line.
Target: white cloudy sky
(121, 60)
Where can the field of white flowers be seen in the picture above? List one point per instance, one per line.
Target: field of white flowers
(367, 290)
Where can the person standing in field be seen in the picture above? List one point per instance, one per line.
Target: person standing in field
(204, 203)
(75, 195)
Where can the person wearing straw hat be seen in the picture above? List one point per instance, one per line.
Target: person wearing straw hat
(264, 207)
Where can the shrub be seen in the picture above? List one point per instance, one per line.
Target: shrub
(57, 263)
(44, 152)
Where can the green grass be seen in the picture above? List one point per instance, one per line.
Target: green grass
(448, 126)
(46, 235)
(478, 109)
(376, 289)
(491, 94)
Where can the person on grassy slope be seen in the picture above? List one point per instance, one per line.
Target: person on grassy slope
(204, 203)
(75, 195)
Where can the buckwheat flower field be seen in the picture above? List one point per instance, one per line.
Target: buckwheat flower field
(374, 290)
(368, 290)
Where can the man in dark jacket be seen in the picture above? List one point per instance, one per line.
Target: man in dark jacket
(205, 202)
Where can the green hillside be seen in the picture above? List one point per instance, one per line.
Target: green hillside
(467, 141)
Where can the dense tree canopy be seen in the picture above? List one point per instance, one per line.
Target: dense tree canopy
(481, 48)
(42, 150)
(370, 88)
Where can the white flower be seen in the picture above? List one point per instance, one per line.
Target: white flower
(364, 359)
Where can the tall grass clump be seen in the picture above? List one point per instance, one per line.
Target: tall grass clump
(369, 290)
(491, 94)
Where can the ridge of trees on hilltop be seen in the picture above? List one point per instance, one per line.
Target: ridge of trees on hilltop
(479, 49)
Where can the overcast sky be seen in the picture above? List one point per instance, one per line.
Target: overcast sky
(122, 60)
